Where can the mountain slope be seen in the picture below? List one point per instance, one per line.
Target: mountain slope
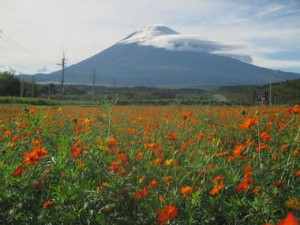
(159, 56)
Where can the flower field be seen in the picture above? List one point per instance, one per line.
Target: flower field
(149, 165)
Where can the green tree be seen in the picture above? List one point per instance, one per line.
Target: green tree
(9, 84)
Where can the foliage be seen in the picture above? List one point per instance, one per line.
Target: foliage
(287, 92)
(28, 101)
(149, 165)
(9, 84)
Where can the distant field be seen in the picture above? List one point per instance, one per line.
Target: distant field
(149, 164)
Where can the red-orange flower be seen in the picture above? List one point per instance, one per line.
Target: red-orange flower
(172, 137)
(185, 115)
(124, 159)
(77, 148)
(183, 146)
(164, 215)
(38, 184)
(141, 194)
(284, 148)
(47, 204)
(7, 133)
(297, 174)
(279, 184)
(139, 156)
(186, 191)
(31, 158)
(153, 184)
(255, 190)
(18, 171)
(265, 136)
(32, 111)
(112, 142)
(41, 152)
(249, 122)
(238, 149)
(37, 142)
(245, 184)
(296, 109)
(218, 185)
(168, 179)
(290, 219)
(158, 161)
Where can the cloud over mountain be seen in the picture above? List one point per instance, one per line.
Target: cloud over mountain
(160, 36)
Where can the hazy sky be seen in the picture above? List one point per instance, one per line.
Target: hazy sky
(34, 33)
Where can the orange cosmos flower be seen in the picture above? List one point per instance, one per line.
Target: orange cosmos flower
(164, 215)
(141, 194)
(247, 170)
(139, 156)
(256, 190)
(265, 136)
(31, 158)
(186, 191)
(77, 148)
(112, 142)
(290, 219)
(284, 148)
(297, 174)
(47, 204)
(218, 179)
(218, 185)
(18, 171)
(216, 189)
(172, 137)
(296, 109)
(7, 133)
(37, 142)
(124, 159)
(40, 152)
(32, 111)
(183, 146)
(200, 136)
(245, 184)
(162, 199)
(249, 122)
(150, 145)
(238, 149)
(153, 183)
(158, 161)
(168, 179)
(185, 115)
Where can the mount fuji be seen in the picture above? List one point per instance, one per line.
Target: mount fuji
(159, 56)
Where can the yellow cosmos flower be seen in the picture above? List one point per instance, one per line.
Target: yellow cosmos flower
(293, 203)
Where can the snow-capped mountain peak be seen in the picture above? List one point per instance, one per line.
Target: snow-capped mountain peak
(148, 32)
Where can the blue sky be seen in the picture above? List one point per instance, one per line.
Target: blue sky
(35, 32)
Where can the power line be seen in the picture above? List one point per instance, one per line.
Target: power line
(19, 47)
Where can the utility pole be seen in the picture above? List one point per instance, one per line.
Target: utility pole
(94, 81)
(21, 87)
(49, 90)
(32, 86)
(63, 64)
(270, 92)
